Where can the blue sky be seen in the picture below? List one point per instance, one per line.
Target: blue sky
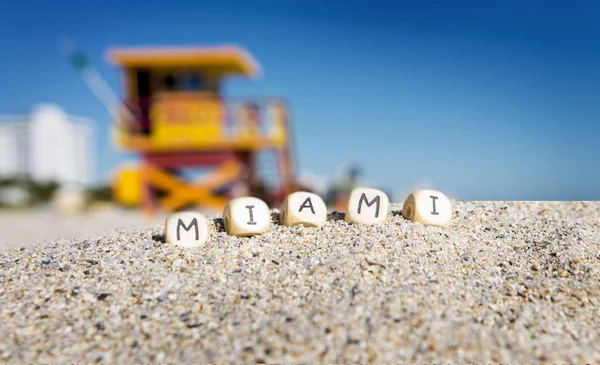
(481, 100)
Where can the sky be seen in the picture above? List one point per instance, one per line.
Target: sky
(480, 100)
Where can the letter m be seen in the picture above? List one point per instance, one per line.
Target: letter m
(377, 200)
(193, 223)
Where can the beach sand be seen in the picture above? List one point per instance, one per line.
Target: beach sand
(507, 282)
(37, 226)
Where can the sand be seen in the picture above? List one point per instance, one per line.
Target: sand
(508, 282)
(35, 226)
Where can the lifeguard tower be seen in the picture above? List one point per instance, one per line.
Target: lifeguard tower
(175, 118)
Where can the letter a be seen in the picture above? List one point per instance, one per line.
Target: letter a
(307, 204)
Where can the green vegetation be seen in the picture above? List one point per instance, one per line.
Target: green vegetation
(102, 193)
(22, 192)
(34, 192)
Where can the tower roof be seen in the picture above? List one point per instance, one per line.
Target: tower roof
(226, 59)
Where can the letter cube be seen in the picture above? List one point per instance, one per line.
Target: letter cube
(246, 216)
(303, 208)
(429, 207)
(367, 206)
(186, 229)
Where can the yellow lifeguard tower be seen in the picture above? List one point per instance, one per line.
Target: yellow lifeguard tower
(175, 118)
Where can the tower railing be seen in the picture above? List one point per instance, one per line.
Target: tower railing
(198, 121)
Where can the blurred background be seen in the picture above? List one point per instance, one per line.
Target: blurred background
(480, 100)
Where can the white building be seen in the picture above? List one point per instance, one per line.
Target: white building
(48, 145)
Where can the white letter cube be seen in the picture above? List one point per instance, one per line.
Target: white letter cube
(303, 208)
(186, 229)
(246, 216)
(428, 207)
(367, 206)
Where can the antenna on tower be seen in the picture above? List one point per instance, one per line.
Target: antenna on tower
(81, 63)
